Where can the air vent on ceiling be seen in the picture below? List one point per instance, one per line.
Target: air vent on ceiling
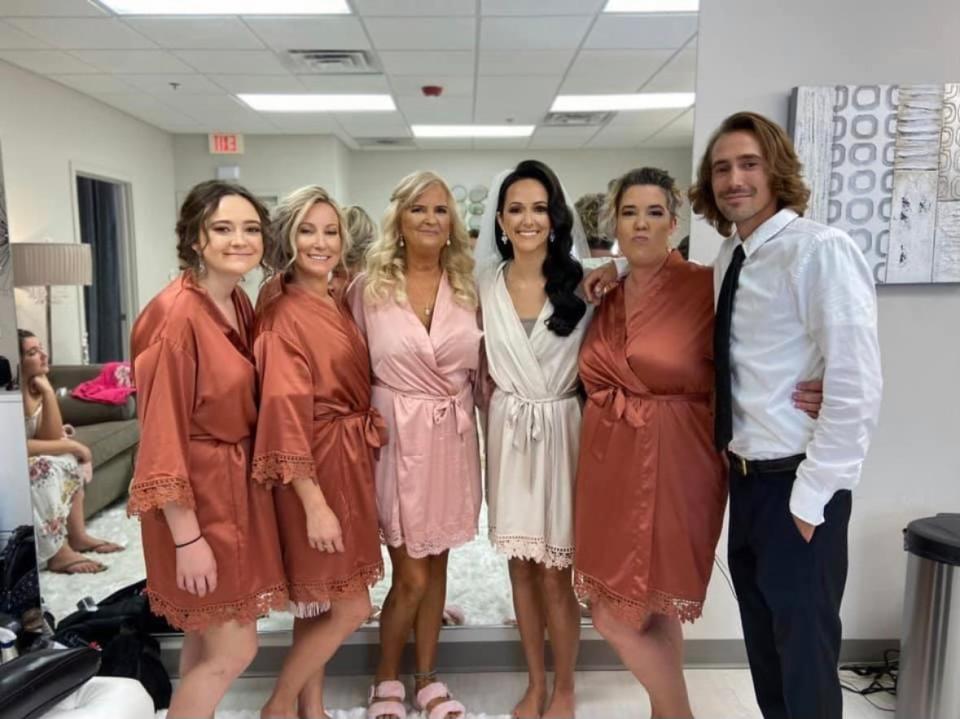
(576, 119)
(330, 62)
(386, 142)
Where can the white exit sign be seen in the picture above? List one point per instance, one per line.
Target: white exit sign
(226, 143)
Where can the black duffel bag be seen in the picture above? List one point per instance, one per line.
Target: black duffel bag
(34, 683)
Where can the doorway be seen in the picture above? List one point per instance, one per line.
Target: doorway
(104, 225)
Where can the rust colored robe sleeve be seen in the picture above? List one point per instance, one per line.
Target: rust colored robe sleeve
(283, 450)
(166, 382)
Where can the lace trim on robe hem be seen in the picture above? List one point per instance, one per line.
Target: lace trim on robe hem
(242, 611)
(636, 611)
(277, 468)
(311, 599)
(437, 544)
(157, 490)
(532, 548)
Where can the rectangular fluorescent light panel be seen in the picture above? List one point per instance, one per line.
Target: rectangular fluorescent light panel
(637, 101)
(319, 103)
(473, 130)
(228, 7)
(652, 6)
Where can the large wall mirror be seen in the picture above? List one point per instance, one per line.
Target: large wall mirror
(498, 63)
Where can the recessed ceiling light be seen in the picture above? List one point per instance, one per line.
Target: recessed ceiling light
(228, 7)
(652, 6)
(637, 101)
(319, 103)
(473, 130)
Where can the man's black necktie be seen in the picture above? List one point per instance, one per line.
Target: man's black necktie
(723, 421)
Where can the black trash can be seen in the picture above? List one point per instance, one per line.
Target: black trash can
(929, 682)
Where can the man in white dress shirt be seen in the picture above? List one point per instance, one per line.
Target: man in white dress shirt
(794, 299)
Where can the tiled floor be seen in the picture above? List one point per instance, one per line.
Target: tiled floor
(715, 694)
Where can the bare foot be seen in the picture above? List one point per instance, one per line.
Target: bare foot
(88, 543)
(270, 711)
(68, 561)
(531, 705)
(562, 705)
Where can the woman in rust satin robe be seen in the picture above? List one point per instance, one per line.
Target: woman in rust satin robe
(209, 535)
(650, 485)
(316, 440)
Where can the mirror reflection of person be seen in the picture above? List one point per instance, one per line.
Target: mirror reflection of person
(362, 232)
(209, 534)
(316, 438)
(534, 321)
(417, 305)
(59, 467)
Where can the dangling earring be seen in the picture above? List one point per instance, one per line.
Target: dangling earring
(448, 242)
(401, 241)
(552, 236)
(201, 267)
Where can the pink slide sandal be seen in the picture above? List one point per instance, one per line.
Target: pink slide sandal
(443, 709)
(386, 700)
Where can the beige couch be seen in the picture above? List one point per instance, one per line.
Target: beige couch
(110, 431)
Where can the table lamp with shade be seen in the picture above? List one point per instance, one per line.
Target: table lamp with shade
(47, 264)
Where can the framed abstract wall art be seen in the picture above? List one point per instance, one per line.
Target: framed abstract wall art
(883, 163)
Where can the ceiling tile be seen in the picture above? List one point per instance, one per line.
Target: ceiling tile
(524, 100)
(546, 138)
(443, 143)
(50, 8)
(160, 85)
(46, 62)
(612, 71)
(235, 62)
(258, 83)
(408, 62)
(500, 143)
(95, 84)
(150, 110)
(345, 84)
(13, 39)
(678, 133)
(373, 124)
(182, 33)
(133, 61)
(202, 106)
(672, 81)
(305, 122)
(629, 129)
(83, 33)
(533, 33)
(436, 110)
(540, 7)
(642, 32)
(300, 33)
(524, 62)
(385, 8)
(452, 86)
(429, 33)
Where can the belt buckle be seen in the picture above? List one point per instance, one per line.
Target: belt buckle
(743, 465)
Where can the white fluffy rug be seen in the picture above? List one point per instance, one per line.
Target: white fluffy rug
(477, 580)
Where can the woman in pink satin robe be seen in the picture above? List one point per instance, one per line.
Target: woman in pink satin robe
(417, 304)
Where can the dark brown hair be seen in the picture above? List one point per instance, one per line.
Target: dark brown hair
(782, 165)
(22, 336)
(640, 176)
(201, 202)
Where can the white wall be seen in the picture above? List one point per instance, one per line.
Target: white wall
(752, 52)
(373, 175)
(49, 131)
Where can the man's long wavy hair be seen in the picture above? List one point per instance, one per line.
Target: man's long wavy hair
(386, 257)
(780, 159)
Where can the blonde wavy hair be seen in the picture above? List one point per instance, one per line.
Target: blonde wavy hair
(363, 232)
(386, 257)
(286, 220)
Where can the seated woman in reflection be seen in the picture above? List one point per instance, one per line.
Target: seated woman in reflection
(209, 533)
(417, 304)
(59, 467)
(315, 441)
(534, 322)
(362, 232)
